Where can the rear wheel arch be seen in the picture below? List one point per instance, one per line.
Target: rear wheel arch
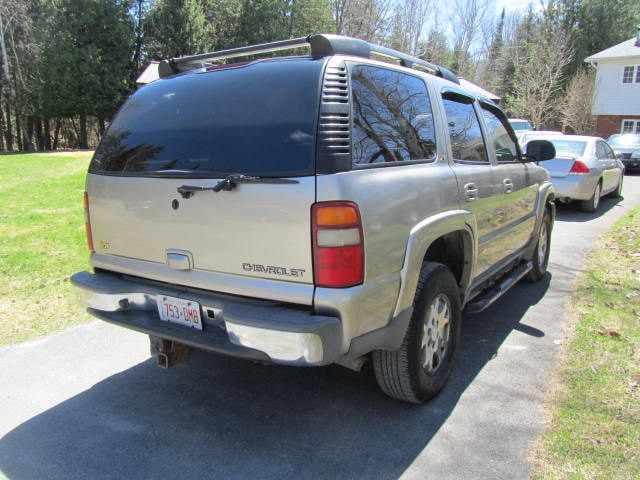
(447, 238)
(455, 251)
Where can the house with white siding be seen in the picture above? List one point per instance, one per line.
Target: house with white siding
(616, 105)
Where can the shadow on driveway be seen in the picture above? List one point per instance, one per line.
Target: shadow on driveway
(570, 212)
(227, 418)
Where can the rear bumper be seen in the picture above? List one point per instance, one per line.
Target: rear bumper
(574, 187)
(236, 326)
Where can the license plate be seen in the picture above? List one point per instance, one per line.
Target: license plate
(177, 310)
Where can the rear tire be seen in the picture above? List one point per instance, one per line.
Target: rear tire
(591, 205)
(540, 258)
(420, 368)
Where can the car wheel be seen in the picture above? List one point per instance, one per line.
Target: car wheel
(540, 259)
(591, 205)
(419, 369)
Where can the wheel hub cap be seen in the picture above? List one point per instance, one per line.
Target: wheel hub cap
(542, 244)
(435, 333)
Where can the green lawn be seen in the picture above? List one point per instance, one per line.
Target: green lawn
(42, 242)
(594, 429)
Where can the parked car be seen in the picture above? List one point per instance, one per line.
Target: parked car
(584, 169)
(525, 135)
(627, 149)
(312, 210)
(520, 125)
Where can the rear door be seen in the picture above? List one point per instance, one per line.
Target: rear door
(256, 119)
(475, 175)
(517, 190)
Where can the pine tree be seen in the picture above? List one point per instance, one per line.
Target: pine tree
(177, 27)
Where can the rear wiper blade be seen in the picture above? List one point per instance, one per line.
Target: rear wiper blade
(230, 182)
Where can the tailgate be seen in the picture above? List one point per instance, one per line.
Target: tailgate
(257, 230)
(257, 119)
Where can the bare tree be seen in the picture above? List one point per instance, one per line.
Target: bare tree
(469, 21)
(576, 104)
(365, 19)
(538, 75)
(408, 24)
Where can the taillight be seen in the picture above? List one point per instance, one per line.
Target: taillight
(579, 167)
(338, 244)
(87, 223)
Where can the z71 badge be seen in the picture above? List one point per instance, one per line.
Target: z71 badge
(273, 270)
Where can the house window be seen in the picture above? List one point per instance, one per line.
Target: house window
(627, 76)
(630, 126)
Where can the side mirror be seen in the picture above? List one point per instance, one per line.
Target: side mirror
(539, 151)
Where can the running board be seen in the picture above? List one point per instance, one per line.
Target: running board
(485, 300)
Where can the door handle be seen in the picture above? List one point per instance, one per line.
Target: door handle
(508, 185)
(470, 192)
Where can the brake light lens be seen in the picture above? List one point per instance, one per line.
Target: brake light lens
(579, 167)
(87, 223)
(338, 244)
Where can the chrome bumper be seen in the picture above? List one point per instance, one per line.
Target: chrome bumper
(250, 328)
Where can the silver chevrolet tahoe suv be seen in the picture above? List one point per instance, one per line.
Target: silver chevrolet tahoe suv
(339, 206)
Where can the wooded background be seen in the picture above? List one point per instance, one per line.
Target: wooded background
(67, 65)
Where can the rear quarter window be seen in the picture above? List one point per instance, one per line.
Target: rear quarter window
(255, 119)
(392, 117)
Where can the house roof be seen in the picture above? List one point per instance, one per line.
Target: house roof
(477, 90)
(625, 49)
(149, 74)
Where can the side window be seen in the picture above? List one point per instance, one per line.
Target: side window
(467, 143)
(600, 151)
(498, 133)
(392, 117)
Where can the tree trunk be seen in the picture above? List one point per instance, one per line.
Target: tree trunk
(2, 128)
(101, 126)
(8, 133)
(56, 134)
(27, 135)
(47, 134)
(19, 131)
(39, 140)
(83, 140)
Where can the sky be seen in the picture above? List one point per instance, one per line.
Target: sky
(512, 5)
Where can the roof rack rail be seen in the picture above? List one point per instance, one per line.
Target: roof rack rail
(322, 45)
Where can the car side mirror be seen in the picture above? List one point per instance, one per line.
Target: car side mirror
(539, 151)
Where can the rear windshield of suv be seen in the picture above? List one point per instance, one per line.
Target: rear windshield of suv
(256, 119)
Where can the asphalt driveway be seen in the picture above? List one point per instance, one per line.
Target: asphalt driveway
(90, 403)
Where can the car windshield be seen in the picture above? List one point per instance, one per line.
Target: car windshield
(256, 119)
(624, 141)
(568, 148)
(520, 125)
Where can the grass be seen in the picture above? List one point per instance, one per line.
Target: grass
(42, 242)
(594, 429)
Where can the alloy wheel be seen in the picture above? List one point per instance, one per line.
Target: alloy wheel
(435, 333)
(543, 241)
